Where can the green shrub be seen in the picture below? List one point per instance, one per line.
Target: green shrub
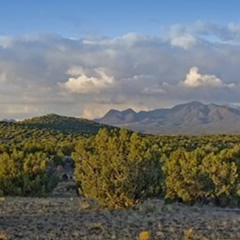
(117, 169)
(197, 175)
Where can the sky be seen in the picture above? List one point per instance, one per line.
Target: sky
(83, 58)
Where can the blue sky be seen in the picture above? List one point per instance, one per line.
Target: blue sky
(82, 58)
(76, 18)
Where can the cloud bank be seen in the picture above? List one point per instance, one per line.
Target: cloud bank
(41, 74)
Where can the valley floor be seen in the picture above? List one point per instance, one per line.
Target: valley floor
(68, 218)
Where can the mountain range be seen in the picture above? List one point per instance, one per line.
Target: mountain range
(193, 118)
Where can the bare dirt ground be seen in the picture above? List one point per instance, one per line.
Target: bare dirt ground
(70, 218)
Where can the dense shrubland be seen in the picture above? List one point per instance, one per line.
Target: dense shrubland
(202, 176)
(25, 174)
(27, 158)
(119, 168)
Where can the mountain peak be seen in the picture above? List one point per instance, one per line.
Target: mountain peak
(195, 104)
(113, 117)
(112, 111)
(129, 110)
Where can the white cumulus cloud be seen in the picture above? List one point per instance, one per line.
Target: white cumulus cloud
(87, 80)
(195, 79)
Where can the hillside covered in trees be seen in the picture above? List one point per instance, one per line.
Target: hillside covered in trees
(30, 151)
(118, 168)
(63, 124)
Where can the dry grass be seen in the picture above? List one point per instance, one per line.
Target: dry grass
(64, 218)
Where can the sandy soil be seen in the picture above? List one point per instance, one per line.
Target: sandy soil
(71, 218)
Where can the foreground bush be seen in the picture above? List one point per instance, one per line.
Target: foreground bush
(117, 169)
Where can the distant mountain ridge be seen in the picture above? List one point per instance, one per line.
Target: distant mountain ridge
(193, 118)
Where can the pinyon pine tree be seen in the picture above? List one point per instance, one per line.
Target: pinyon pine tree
(118, 169)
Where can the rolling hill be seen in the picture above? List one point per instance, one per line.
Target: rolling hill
(63, 124)
(192, 118)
